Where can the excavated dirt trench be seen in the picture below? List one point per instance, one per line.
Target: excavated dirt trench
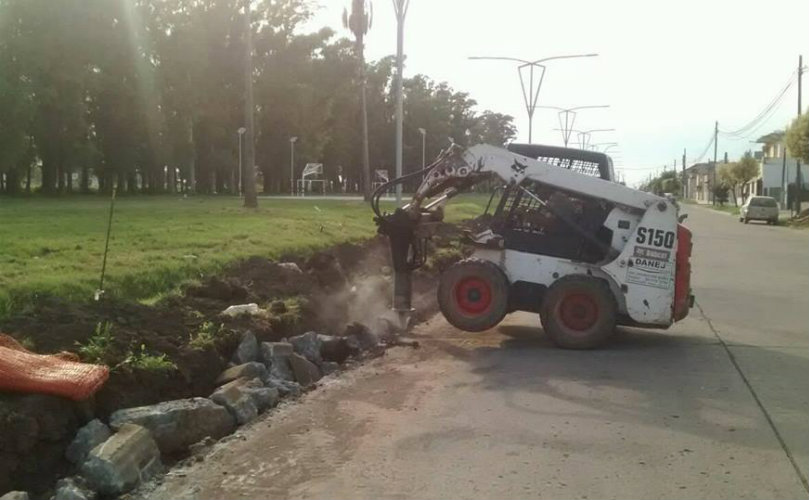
(332, 288)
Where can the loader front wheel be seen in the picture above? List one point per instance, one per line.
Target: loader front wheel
(473, 295)
(578, 313)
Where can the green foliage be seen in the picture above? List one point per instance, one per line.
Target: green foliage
(727, 175)
(746, 169)
(143, 360)
(159, 242)
(738, 174)
(98, 348)
(797, 137)
(726, 208)
(667, 182)
(121, 90)
(720, 192)
(206, 336)
(292, 315)
(27, 342)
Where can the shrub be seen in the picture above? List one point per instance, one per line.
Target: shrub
(150, 362)
(206, 336)
(99, 345)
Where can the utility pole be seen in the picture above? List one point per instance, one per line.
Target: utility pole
(400, 6)
(798, 186)
(715, 146)
(685, 181)
(249, 179)
(784, 182)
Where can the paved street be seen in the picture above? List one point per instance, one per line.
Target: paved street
(716, 407)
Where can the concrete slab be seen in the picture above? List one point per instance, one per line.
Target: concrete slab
(780, 377)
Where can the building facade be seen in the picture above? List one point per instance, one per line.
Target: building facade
(699, 181)
(778, 169)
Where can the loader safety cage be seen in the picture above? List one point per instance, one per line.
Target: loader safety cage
(578, 160)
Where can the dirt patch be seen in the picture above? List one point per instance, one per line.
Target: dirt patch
(176, 348)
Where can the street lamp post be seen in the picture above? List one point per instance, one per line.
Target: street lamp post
(567, 125)
(608, 146)
(241, 132)
(400, 7)
(292, 141)
(423, 133)
(531, 95)
(584, 135)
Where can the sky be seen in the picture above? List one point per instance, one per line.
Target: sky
(667, 69)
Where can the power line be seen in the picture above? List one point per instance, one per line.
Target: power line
(773, 102)
(764, 114)
(763, 122)
(705, 150)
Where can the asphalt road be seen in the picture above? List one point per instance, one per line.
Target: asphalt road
(716, 407)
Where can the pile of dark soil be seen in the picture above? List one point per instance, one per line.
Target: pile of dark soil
(326, 292)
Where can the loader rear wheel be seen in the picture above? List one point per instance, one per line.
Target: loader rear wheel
(578, 313)
(473, 295)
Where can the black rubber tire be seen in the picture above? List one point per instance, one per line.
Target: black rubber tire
(485, 301)
(746, 220)
(593, 327)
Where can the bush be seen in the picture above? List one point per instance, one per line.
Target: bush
(206, 336)
(99, 345)
(150, 362)
(720, 193)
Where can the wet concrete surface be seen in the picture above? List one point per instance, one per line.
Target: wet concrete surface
(716, 407)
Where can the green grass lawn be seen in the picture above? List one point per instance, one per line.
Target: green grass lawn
(55, 246)
(726, 208)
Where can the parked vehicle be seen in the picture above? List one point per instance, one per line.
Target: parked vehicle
(759, 208)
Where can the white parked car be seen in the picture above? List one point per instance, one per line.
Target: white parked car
(759, 208)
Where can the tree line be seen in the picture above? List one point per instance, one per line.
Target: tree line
(733, 179)
(148, 96)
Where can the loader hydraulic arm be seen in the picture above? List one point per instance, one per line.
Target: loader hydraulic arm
(409, 227)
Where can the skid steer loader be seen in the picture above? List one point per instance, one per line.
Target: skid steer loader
(565, 240)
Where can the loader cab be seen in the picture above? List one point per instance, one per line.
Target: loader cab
(528, 225)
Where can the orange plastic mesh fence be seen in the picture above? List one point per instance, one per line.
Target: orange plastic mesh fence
(57, 374)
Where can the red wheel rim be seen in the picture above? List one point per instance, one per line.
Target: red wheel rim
(473, 295)
(578, 311)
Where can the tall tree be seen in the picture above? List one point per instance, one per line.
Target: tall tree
(797, 137)
(250, 198)
(727, 176)
(359, 22)
(16, 108)
(149, 95)
(54, 47)
(746, 170)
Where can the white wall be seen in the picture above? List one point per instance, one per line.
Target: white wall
(771, 172)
